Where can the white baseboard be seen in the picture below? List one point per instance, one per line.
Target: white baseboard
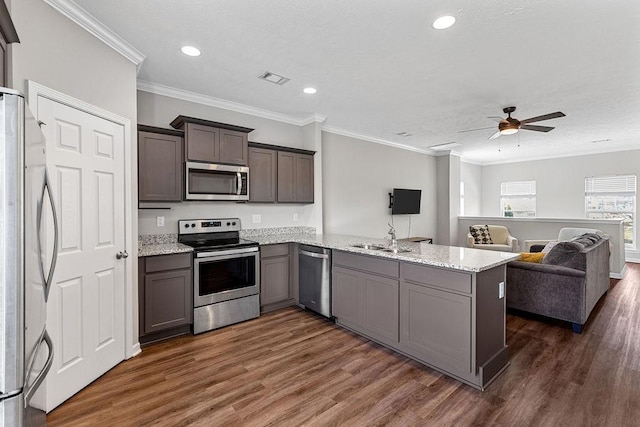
(135, 350)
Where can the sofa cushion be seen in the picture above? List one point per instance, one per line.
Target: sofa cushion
(547, 248)
(587, 239)
(531, 256)
(566, 254)
(480, 234)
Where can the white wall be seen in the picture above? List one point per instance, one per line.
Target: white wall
(559, 182)
(471, 175)
(157, 110)
(357, 178)
(56, 52)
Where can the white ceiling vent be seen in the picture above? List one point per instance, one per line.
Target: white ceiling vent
(273, 78)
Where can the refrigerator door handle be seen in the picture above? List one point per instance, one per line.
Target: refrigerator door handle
(31, 389)
(47, 281)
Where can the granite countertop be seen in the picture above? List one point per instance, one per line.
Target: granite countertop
(163, 249)
(453, 257)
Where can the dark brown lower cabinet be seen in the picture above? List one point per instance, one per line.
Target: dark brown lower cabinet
(365, 301)
(165, 296)
(275, 277)
(451, 320)
(436, 326)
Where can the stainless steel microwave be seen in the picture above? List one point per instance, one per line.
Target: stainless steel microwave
(205, 181)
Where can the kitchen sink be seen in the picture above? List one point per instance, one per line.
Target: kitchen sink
(368, 246)
(395, 251)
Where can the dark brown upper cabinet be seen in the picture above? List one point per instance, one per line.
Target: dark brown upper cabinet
(295, 177)
(280, 174)
(263, 167)
(8, 35)
(213, 142)
(160, 174)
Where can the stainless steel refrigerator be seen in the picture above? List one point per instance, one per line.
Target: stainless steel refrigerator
(26, 271)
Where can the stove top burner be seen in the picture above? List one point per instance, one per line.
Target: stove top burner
(219, 244)
(206, 235)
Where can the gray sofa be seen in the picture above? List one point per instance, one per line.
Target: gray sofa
(566, 285)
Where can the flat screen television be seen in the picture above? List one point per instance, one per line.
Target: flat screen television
(405, 201)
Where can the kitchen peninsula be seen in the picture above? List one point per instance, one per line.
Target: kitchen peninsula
(443, 306)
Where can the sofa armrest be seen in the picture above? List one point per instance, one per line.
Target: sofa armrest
(513, 242)
(529, 243)
(547, 268)
(470, 240)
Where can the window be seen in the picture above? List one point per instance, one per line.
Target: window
(518, 199)
(610, 197)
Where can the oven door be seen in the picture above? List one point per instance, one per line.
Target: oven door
(225, 276)
(206, 181)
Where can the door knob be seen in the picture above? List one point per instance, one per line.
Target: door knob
(122, 254)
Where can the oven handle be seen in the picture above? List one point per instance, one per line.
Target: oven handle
(218, 254)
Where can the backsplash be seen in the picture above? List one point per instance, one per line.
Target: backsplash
(157, 239)
(272, 231)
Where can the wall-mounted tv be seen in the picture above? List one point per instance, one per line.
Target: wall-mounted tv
(405, 201)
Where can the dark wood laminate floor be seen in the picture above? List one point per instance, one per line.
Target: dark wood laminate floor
(293, 368)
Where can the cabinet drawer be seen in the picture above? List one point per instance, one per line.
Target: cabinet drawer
(369, 264)
(167, 262)
(451, 280)
(274, 250)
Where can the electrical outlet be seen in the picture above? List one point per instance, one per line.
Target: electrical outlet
(160, 221)
(501, 290)
(257, 218)
(295, 216)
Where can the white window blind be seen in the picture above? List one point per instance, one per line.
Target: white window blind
(610, 184)
(518, 188)
(613, 197)
(518, 199)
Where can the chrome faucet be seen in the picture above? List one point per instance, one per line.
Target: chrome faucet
(392, 233)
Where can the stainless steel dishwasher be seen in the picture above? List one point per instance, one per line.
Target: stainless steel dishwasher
(315, 279)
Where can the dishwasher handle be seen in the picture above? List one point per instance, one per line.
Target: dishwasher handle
(313, 254)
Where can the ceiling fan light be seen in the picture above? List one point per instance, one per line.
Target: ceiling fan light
(508, 131)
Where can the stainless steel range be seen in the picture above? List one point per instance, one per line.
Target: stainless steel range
(226, 272)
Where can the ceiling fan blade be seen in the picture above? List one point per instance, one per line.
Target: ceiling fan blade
(473, 130)
(496, 119)
(537, 128)
(495, 135)
(549, 116)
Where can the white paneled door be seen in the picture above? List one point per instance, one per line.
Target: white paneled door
(86, 309)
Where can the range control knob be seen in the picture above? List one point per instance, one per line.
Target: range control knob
(228, 224)
(186, 226)
(234, 223)
(193, 225)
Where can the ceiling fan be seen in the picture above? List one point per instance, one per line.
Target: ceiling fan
(509, 125)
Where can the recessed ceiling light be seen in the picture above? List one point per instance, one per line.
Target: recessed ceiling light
(444, 22)
(310, 90)
(273, 78)
(190, 50)
(405, 134)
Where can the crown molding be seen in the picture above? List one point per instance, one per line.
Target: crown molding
(560, 156)
(83, 18)
(363, 137)
(185, 95)
(314, 118)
